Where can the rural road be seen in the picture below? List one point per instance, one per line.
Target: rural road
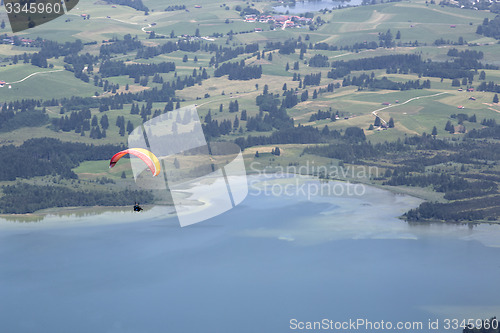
(33, 74)
(408, 101)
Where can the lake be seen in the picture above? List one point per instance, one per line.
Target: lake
(302, 7)
(276, 257)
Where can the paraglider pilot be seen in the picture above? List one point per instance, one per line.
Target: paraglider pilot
(137, 208)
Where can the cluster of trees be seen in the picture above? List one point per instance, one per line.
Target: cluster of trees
(78, 121)
(10, 120)
(291, 98)
(490, 28)
(24, 113)
(213, 128)
(442, 41)
(117, 46)
(80, 65)
(321, 115)
(386, 39)
(370, 82)
(222, 53)
(378, 123)
(356, 47)
(52, 49)
(461, 210)
(490, 87)
(440, 182)
(175, 7)
(165, 48)
(23, 198)
(106, 85)
(410, 63)
(117, 68)
(238, 71)
(247, 10)
(120, 123)
(319, 60)
(490, 132)
(490, 122)
(396, 62)
(461, 117)
(466, 54)
(311, 80)
(472, 195)
(287, 47)
(46, 156)
(234, 106)
(299, 134)
(227, 53)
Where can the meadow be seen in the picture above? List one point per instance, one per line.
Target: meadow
(415, 20)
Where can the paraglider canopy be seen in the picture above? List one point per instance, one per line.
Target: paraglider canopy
(145, 155)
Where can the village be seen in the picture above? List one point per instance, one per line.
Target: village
(279, 21)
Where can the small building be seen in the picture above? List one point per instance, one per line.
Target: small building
(386, 103)
(470, 89)
(472, 98)
(197, 6)
(461, 107)
(453, 26)
(2, 83)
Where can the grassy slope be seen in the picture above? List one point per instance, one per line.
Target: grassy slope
(344, 26)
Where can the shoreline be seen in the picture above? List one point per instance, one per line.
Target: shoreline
(69, 211)
(82, 211)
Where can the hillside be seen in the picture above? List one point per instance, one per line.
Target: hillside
(415, 84)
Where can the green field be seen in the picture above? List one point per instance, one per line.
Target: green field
(415, 20)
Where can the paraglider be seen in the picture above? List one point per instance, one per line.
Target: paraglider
(145, 155)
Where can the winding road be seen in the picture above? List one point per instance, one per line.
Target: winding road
(36, 73)
(408, 101)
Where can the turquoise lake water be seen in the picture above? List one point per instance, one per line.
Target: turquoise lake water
(268, 261)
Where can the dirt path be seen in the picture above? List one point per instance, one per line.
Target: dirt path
(226, 98)
(36, 73)
(408, 101)
(372, 23)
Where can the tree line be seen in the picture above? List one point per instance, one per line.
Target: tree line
(23, 198)
(46, 156)
(238, 71)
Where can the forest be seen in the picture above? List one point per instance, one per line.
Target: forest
(46, 156)
(418, 161)
(490, 28)
(23, 198)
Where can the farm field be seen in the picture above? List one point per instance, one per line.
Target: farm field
(341, 37)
